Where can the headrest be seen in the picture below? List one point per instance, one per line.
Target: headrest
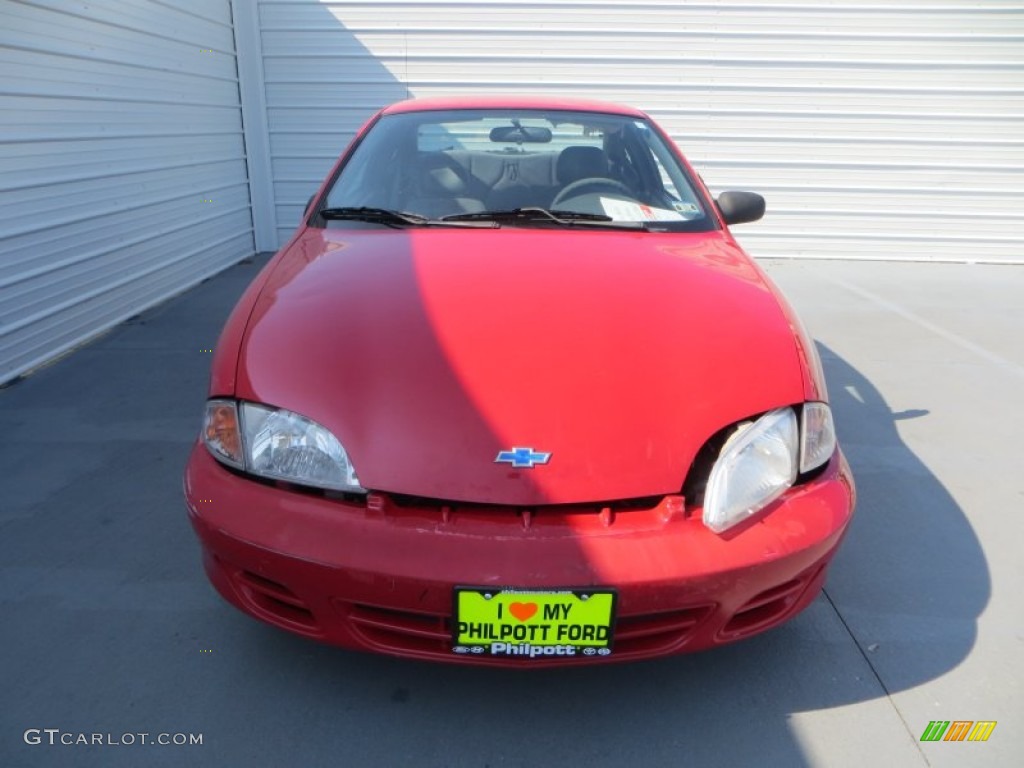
(575, 163)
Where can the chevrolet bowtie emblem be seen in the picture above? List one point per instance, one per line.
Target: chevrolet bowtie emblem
(522, 458)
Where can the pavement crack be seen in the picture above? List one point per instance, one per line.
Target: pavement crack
(1000, 362)
(878, 677)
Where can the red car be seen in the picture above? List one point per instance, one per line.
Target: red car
(512, 394)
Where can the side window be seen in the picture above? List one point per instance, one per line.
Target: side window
(666, 180)
(672, 185)
(431, 137)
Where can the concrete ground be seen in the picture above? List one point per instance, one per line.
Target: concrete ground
(108, 625)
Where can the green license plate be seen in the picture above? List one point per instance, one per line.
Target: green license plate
(533, 624)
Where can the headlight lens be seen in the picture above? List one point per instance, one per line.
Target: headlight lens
(756, 465)
(278, 444)
(817, 436)
(288, 446)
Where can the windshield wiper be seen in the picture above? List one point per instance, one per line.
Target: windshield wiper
(397, 219)
(534, 213)
(382, 215)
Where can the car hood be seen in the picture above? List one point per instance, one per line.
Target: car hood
(429, 351)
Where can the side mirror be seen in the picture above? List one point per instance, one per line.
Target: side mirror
(740, 207)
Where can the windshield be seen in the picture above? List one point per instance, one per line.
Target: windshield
(580, 166)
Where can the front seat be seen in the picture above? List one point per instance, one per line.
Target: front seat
(441, 188)
(575, 163)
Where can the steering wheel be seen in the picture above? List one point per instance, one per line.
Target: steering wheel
(588, 187)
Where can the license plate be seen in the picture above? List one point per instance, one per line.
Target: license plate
(533, 624)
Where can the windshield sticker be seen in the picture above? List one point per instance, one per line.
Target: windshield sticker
(624, 210)
(685, 208)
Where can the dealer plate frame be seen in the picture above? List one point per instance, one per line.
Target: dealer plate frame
(495, 642)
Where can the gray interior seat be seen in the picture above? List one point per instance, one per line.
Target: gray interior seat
(442, 186)
(575, 163)
(523, 180)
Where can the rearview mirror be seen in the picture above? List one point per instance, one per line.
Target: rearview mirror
(521, 134)
(740, 207)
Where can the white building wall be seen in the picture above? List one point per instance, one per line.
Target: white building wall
(875, 130)
(122, 164)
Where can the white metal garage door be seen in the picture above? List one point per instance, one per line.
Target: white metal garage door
(875, 130)
(122, 164)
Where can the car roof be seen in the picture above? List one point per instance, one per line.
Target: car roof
(510, 102)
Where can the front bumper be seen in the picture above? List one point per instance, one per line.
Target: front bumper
(378, 574)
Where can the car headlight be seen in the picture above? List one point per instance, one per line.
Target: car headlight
(756, 465)
(278, 444)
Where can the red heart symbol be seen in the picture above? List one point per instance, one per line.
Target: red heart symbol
(522, 611)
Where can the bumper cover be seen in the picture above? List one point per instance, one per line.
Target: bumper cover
(378, 574)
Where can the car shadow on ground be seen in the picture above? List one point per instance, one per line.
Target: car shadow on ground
(912, 578)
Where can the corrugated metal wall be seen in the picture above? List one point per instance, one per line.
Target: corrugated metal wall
(122, 164)
(875, 130)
